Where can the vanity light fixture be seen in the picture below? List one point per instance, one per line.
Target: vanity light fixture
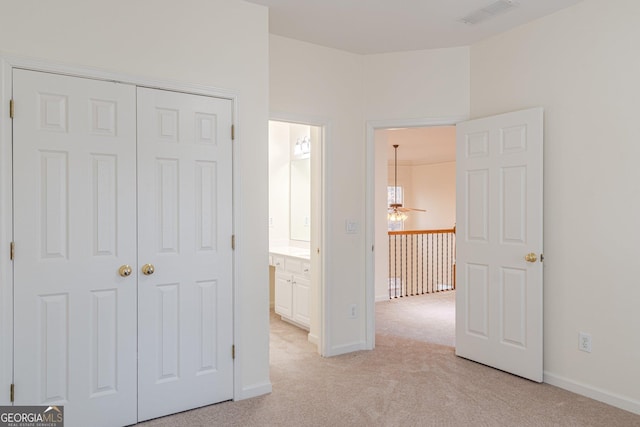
(302, 148)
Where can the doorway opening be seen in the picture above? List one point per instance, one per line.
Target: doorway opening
(499, 216)
(414, 259)
(295, 224)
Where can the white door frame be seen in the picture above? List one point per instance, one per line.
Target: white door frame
(322, 293)
(7, 64)
(370, 214)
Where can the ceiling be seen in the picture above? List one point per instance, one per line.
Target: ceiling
(417, 146)
(379, 26)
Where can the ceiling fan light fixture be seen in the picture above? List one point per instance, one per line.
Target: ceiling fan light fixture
(395, 215)
(396, 212)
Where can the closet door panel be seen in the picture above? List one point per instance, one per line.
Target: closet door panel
(185, 228)
(74, 226)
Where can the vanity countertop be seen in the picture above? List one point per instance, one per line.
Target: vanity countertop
(291, 251)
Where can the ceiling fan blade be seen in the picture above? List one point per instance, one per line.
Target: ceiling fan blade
(411, 209)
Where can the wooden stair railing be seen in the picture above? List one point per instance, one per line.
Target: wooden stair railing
(421, 261)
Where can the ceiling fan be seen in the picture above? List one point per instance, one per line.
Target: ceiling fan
(396, 211)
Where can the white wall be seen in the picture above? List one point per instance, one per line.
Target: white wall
(417, 84)
(582, 65)
(279, 149)
(409, 89)
(342, 90)
(326, 85)
(433, 187)
(217, 43)
(430, 187)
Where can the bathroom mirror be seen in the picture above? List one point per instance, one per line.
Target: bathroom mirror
(300, 202)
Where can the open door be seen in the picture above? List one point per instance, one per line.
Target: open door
(499, 242)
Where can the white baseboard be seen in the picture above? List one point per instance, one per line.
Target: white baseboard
(595, 393)
(254, 391)
(294, 323)
(382, 298)
(347, 348)
(313, 339)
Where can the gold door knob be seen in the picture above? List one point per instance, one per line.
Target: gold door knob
(125, 271)
(148, 269)
(531, 257)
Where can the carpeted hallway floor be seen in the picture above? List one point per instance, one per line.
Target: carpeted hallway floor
(408, 380)
(430, 318)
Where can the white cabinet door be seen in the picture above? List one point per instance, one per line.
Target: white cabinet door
(284, 294)
(185, 229)
(499, 222)
(301, 300)
(74, 145)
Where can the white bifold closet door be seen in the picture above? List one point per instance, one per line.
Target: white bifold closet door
(74, 148)
(96, 189)
(184, 226)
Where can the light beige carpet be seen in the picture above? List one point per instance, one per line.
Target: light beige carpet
(403, 382)
(429, 318)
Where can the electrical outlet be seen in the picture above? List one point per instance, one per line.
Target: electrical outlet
(352, 311)
(584, 342)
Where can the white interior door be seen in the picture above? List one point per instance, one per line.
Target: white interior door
(499, 222)
(74, 226)
(185, 230)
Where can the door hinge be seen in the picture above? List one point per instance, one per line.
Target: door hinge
(233, 132)
(11, 108)
(12, 251)
(233, 242)
(233, 351)
(11, 392)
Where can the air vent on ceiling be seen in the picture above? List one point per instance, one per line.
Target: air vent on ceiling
(487, 12)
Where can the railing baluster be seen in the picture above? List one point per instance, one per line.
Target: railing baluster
(440, 264)
(395, 265)
(446, 261)
(417, 267)
(432, 252)
(402, 281)
(422, 264)
(411, 271)
(437, 256)
(406, 266)
(448, 264)
(390, 276)
(453, 261)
